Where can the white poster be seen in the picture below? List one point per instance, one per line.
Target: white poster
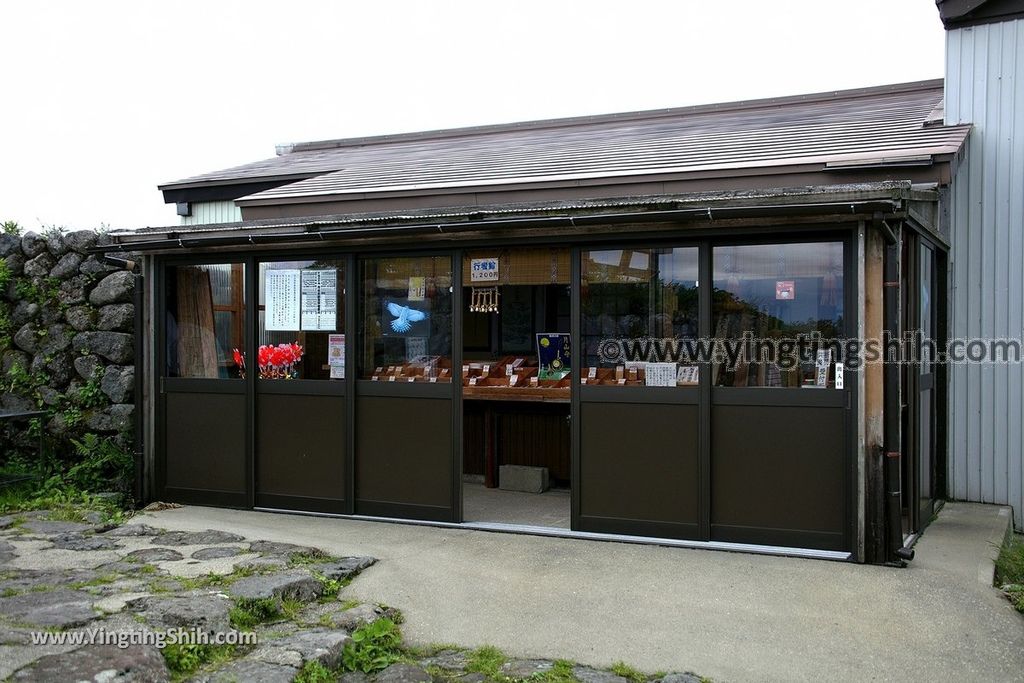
(320, 300)
(336, 355)
(415, 347)
(660, 375)
(483, 270)
(282, 297)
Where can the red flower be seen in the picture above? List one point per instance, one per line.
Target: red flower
(276, 361)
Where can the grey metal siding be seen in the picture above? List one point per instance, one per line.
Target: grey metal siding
(985, 86)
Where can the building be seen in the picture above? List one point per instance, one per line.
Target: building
(463, 303)
(985, 86)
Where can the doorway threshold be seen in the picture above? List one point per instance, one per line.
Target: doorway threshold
(555, 532)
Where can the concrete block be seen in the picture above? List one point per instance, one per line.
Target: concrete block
(523, 478)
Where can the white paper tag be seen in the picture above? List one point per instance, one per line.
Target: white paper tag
(391, 378)
(839, 375)
(433, 380)
(472, 381)
(592, 373)
(512, 379)
(412, 379)
(487, 370)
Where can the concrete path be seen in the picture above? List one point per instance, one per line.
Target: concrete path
(731, 617)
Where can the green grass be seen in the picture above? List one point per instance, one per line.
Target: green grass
(214, 580)
(98, 581)
(1010, 570)
(313, 556)
(16, 496)
(248, 613)
(626, 671)
(65, 504)
(184, 659)
(486, 660)
(291, 607)
(315, 672)
(561, 672)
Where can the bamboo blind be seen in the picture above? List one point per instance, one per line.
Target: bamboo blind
(522, 267)
(394, 273)
(197, 339)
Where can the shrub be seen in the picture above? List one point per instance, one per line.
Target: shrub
(102, 462)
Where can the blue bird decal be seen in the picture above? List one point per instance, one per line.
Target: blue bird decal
(404, 317)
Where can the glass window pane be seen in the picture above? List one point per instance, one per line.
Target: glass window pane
(927, 309)
(638, 305)
(776, 294)
(406, 319)
(301, 332)
(205, 319)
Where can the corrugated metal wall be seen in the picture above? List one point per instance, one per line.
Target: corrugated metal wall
(212, 212)
(985, 86)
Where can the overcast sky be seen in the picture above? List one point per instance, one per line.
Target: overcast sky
(101, 101)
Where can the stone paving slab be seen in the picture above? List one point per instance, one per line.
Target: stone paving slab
(98, 663)
(136, 578)
(145, 579)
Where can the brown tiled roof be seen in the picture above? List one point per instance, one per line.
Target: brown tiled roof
(883, 125)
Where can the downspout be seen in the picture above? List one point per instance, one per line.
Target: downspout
(896, 554)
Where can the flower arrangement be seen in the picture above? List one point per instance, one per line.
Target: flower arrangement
(275, 362)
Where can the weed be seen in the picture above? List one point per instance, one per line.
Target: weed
(486, 660)
(290, 608)
(429, 650)
(1010, 570)
(315, 672)
(330, 586)
(626, 671)
(184, 659)
(215, 580)
(561, 672)
(311, 556)
(250, 612)
(373, 648)
(8, 593)
(393, 613)
(97, 581)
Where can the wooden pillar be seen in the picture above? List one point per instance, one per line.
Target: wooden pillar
(874, 522)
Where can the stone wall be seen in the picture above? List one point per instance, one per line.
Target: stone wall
(66, 337)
